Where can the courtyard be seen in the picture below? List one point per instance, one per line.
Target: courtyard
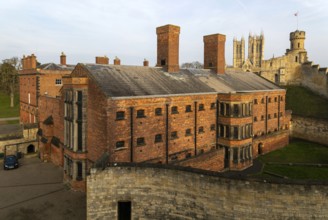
(36, 191)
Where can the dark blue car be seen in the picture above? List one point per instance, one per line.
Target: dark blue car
(10, 162)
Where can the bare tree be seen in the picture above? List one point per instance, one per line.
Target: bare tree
(193, 65)
(9, 77)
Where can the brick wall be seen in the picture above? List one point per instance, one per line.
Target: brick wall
(151, 125)
(157, 193)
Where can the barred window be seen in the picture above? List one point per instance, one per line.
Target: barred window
(174, 134)
(119, 144)
(174, 110)
(188, 132)
(141, 141)
(188, 108)
(213, 105)
(158, 111)
(141, 113)
(201, 107)
(158, 138)
(58, 82)
(201, 129)
(212, 127)
(120, 115)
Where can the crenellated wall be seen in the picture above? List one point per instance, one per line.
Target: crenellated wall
(180, 193)
(315, 78)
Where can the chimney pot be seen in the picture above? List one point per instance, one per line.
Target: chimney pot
(146, 62)
(117, 61)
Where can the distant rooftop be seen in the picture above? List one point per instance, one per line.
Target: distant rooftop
(53, 66)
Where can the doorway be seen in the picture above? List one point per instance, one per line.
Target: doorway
(30, 149)
(124, 210)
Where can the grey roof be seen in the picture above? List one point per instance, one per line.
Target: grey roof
(53, 66)
(124, 81)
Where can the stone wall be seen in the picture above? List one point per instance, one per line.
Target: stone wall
(315, 78)
(310, 129)
(159, 193)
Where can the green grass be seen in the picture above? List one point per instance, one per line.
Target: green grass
(304, 102)
(299, 172)
(298, 151)
(5, 110)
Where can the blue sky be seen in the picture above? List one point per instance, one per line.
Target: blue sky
(84, 29)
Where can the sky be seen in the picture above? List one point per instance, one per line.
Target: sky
(84, 29)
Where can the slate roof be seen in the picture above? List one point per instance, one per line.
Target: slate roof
(53, 66)
(125, 81)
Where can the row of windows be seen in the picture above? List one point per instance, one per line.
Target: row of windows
(275, 115)
(269, 100)
(159, 137)
(245, 153)
(235, 110)
(235, 132)
(159, 111)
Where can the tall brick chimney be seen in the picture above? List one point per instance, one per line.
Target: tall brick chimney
(33, 61)
(146, 62)
(102, 60)
(214, 52)
(117, 61)
(29, 62)
(63, 59)
(168, 47)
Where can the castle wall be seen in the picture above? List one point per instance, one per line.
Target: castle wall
(310, 129)
(158, 193)
(315, 78)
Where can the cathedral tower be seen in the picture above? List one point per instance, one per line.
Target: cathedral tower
(238, 52)
(256, 49)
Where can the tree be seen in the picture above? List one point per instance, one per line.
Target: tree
(9, 77)
(193, 65)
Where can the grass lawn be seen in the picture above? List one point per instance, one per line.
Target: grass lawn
(304, 102)
(298, 151)
(299, 172)
(5, 110)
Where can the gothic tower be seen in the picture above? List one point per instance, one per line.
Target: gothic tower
(238, 52)
(256, 49)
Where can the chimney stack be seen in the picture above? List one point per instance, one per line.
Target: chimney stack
(146, 62)
(168, 47)
(102, 60)
(33, 61)
(214, 52)
(63, 59)
(117, 61)
(24, 62)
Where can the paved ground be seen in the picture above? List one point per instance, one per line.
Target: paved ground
(35, 191)
(10, 129)
(256, 168)
(9, 119)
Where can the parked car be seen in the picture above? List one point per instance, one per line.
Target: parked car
(10, 162)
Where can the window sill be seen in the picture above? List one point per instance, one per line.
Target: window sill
(120, 119)
(120, 148)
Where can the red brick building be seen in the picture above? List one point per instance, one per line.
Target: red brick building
(36, 81)
(210, 118)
